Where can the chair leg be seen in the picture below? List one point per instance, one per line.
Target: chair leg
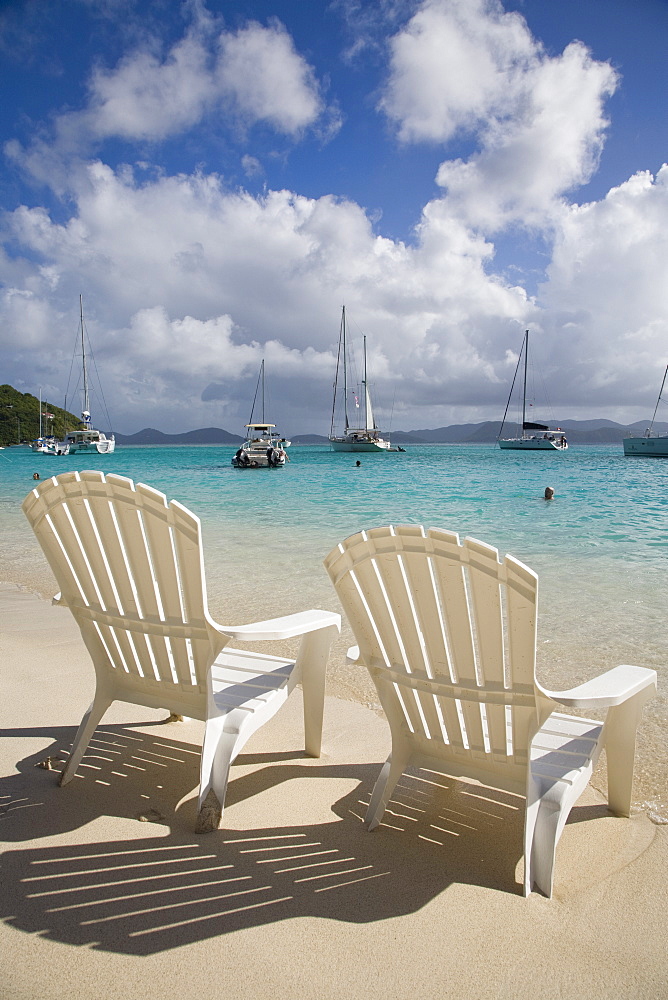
(620, 745)
(87, 727)
(540, 853)
(549, 804)
(312, 663)
(392, 769)
(219, 749)
(530, 816)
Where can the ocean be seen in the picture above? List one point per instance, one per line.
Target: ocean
(600, 547)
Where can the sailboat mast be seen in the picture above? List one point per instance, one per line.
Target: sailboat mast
(345, 369)
(366, 391)
(524, 393)
(262, 390)
(86, 403)
(649, 430)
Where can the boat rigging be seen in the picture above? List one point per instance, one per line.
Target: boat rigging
(534, 437)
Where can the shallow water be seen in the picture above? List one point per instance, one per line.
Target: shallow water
(600, 547)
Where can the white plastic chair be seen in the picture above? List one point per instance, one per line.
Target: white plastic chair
(130, 569)
(448, 634)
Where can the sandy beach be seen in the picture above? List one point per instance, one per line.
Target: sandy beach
(108, 893)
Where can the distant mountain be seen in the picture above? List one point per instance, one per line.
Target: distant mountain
(455, 434)
(310, 439)
(19, 421)
(579, 432)
(206, 435)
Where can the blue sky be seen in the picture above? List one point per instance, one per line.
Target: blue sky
(217, 179)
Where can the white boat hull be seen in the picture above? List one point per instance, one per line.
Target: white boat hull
(106, 447)
(341, 444)
(98, 449)
(50, 447)
(532, 444)
(647, 447)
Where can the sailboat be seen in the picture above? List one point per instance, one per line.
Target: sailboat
(361, 438)
(535, 437)
(263, 448)
(651, 446)
(46, 444)
(87, 438)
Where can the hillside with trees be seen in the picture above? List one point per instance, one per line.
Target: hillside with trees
(19, 417)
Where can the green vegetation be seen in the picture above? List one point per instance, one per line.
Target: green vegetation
(19, 417)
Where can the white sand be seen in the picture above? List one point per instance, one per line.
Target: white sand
(292, 898)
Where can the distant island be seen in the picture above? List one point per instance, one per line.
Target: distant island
(20, 423)
(205, 435)
(579, 432)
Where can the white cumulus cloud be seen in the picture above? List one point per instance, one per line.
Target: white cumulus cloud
(255, 74)
(453, 65)
(267, 79)
(148, 97)
(242, 78)
(607, 288)
(536, 122)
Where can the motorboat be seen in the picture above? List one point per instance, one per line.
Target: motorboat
(263, 448)
(50, 446)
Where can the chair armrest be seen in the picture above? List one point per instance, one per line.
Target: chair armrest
(609, 689)
(283, 628)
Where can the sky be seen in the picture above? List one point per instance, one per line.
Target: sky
(217, 178)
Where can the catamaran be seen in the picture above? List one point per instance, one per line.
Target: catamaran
(535, 437)
(87, 438)
(651, 445)
(361, 438)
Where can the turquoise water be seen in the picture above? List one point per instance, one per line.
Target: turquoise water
(600, 547)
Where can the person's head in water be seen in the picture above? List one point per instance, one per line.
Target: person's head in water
(549, 493)
(358, 463)
(35, 475)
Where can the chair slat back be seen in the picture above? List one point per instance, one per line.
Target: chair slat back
(130, 568)
(448, 631)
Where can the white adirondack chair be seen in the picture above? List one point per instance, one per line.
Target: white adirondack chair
(448, 634)
(130, 569)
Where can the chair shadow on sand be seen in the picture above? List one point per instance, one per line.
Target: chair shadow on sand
(145, 894)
